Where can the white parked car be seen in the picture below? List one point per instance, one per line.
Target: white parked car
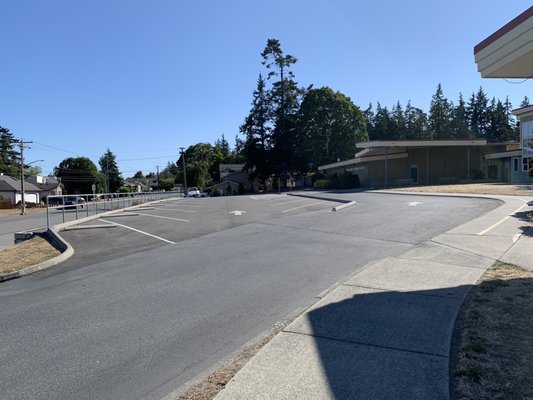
(193, 192)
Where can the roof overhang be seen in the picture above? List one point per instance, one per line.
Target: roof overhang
(505, 154)
(524, 112)
(359, 160)
(419, 143)
(508, 52)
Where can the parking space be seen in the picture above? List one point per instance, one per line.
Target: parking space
(171, 221)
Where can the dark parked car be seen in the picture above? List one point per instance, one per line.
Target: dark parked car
(73, 202)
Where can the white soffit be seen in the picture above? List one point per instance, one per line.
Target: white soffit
(508, 52)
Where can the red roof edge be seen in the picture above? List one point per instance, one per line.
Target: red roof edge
(504, 29)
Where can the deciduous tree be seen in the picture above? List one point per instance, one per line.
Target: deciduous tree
(329, 127)
(78, 174)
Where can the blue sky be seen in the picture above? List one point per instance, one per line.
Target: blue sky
(147, 77)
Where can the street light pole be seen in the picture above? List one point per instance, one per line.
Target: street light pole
(186, 192)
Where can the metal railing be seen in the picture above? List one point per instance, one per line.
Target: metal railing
(74, 207)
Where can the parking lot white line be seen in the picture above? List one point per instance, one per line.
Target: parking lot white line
(305, 205)
(288, 202)
(160, 216)
(138, 231)
(277, 198)
(178, 209)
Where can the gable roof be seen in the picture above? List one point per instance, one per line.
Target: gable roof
(8, 184)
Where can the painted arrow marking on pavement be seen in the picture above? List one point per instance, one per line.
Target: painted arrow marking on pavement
(236, 212)
(414, 203)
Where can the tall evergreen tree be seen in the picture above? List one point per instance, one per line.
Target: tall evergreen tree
(285, 98)
(257, 130)
(499, 128)
(525, 102)
(9, 156)
(478, 114)
(399, 122)
(223, 147)
(459, 123)
(383, 126)
(440, 116)
(416, 123)
(109, 169)
(370, 117)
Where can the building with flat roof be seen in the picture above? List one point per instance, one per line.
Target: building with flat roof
(425, 162)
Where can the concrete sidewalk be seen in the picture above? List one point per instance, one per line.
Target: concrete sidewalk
(385, 333)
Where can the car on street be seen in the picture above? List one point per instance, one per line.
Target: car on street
(73, 202)
(193, 192)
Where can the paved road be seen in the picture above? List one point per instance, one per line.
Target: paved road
(35, 221)
(136, 316)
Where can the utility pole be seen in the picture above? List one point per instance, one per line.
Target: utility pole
(21, 144)
(186, 192)
(157, 166)
(107, 173)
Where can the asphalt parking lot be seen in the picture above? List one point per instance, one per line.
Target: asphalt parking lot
(131, 315)
(171, 221)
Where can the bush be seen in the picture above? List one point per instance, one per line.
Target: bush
(323, 184)
(346, 180)
(241, 189)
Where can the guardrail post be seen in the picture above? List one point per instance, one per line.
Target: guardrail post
(47, 214)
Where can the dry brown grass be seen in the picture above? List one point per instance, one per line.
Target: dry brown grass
(15, 211)
(25, 254)
(494, 353)
(473, 188)
(216, 381)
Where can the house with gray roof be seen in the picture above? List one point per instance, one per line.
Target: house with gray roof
(10, 189)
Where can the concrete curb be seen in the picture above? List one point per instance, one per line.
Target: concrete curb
(346, 203)
(59, 243)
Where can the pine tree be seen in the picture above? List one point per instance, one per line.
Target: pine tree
(109, 169)
(285, 98)
(383, 124)
(440, 115)
(257, 130)
(499, 128)
(370, 117)
(460, 120)
(9, 157)
(415, 122)
(399, 125)
(478, 117)
(525, 102)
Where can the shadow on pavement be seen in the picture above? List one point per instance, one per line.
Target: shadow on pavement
(378, 344)
(527, 217)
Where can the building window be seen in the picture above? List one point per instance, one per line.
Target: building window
(525, 164)
(515, 165)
